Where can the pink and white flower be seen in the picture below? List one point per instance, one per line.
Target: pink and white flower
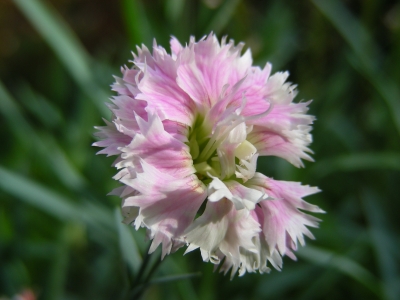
(188, 128)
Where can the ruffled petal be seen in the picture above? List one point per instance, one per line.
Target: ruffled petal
(285, 130)
(244, 197)
(158, 148)
(167, 205)
(250, 261)
(222, 231)
(158, 87)
(289, 145)
(282, 222)
(207, 66)
(240, 195)
(176, 47)
(111, 139)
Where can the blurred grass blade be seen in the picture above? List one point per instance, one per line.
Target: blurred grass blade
(342, 127)
(46, 144)
(45, 111)
(66, 46)
(386, 88)
(365, 58)
(185, 287)
(10, 112)
(343, 264)
(127, 243)
(59, 36)
(351, 30)
(38, 196)
(137, 23)
(295, 277)
(55, 204)
(279, 36)
(170, 278)
(61, 164)
(57, 276)
(383, 243)
(223, 16)
(174, 9)
(357, 162)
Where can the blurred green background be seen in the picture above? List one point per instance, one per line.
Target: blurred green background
(62, 237)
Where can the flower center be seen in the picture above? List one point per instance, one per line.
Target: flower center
(222, 151)
(218, 140)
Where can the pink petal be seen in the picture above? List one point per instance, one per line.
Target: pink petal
(176, 47)
(290, 145)
(157, 147)
(111, 139)
(281, 219)
(167, 205)
(159, 88)
(206, 67)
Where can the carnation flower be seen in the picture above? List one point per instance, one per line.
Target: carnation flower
(188, 128)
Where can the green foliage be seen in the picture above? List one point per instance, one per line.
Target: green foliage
(61, 236)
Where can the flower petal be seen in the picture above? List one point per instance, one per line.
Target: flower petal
(157, 147)
(167, 205)
(176, 47)
(222, 231)
(289, 145)
(240, 195)
(283, 223)
(159, 88)
(111, 139)
(206, 67)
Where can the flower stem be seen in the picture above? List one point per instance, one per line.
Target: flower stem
(142, 267)
(139, 284)
(142, 287)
